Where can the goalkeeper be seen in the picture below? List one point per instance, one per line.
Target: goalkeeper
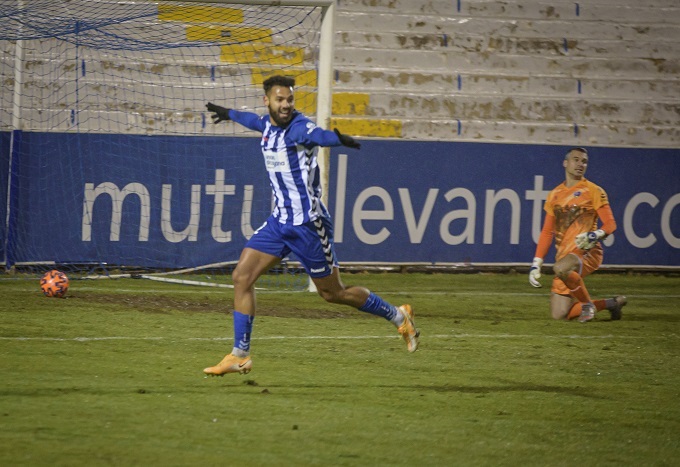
(572, 212)
(299, 223)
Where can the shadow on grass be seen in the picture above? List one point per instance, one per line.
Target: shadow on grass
(237, 386)
(452, 388)
(572, 391)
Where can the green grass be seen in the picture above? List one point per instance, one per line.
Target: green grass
(111, 375)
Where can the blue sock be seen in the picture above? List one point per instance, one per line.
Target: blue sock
(379, 307)
(243, 326)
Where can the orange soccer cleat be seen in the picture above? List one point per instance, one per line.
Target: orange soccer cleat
(408, 329)
(230, 364)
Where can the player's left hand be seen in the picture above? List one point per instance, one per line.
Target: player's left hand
(221, 113)
(347, 140)
(587, 240)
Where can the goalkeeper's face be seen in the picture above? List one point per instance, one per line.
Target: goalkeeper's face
(280, 101)
(575, 164)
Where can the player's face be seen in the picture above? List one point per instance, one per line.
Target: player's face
(281, 102)
(576, 164)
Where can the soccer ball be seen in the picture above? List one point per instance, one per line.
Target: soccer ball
(54, 284)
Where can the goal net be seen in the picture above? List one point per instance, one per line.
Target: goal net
(109, 160)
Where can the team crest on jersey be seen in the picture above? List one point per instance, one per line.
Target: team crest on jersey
(577, 194)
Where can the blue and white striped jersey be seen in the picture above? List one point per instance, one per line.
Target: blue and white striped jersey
(290, 158)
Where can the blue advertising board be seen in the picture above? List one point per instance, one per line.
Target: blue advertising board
(161, 202)
(172, 202)
(444, 202)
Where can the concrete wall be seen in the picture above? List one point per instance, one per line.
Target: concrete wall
(600, 72)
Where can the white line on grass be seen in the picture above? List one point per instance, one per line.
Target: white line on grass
(205, 291)
(432, 336)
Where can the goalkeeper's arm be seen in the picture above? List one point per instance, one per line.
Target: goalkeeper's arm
(587, 240)
(544, 242)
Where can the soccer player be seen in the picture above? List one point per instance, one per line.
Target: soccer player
(299, 223)
(572, 212)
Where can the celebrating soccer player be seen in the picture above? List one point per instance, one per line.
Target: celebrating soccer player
(572, 212)
(299, 223)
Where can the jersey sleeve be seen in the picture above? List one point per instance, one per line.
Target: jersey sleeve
(600, 197)
(309, 135)
(607, 217)
(546, 237)
(548, 206)
(249, 120)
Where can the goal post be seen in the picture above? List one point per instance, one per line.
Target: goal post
(109, 161)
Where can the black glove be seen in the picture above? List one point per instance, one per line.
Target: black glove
(221, 113)
(347, 140)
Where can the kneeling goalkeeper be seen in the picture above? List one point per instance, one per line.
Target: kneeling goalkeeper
(573, 209)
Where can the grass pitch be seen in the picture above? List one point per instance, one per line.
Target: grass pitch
(112, 375)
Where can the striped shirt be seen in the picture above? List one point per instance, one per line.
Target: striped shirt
(290, 159)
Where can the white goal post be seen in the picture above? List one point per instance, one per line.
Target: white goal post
(110, 162)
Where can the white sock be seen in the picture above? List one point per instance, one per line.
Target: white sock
(398, 319)
(240, 353)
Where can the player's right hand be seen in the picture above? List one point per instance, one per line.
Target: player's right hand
(221, 113)
(535, 272)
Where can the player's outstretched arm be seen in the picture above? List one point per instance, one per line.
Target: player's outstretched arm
(221, 114)
(347, 140)
(249, 120)
(312, 135)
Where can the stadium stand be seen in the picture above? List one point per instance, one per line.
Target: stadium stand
(601, 72)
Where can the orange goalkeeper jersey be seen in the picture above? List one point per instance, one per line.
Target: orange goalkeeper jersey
(575, 212)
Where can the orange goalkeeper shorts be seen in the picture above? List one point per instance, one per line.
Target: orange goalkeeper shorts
(590, 262)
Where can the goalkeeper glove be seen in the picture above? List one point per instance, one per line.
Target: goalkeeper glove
(535, 272)
(221, 113)
(347, 140)
(587, 240)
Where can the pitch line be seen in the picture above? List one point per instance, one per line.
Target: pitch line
(387, 292)
(270, 338)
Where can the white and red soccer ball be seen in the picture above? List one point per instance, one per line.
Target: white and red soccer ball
(54, 284)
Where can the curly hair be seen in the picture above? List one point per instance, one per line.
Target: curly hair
(278, 80)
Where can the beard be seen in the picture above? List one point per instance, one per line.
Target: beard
(281, 120)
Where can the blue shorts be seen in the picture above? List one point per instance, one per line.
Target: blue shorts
(312, 243)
